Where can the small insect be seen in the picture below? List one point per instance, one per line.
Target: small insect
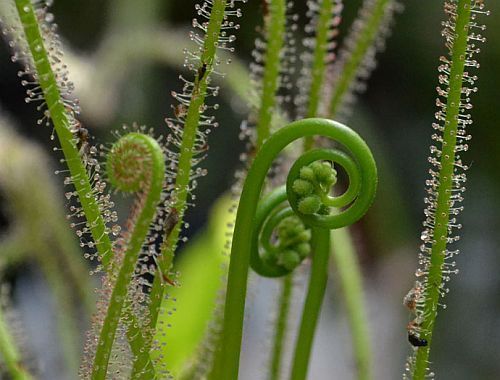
(203, 148)
(164, 277)
(413, 336)
(265, 8)
(168, 280)
(171, 221)
(202, 71)
(411, 298)
(252, 151)
(82, 135)
(76, 127)
(180, 110)
(415, 341)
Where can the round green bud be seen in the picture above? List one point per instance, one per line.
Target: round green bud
(307, 173)
(324, 173)
(287, 228)
(289, 259)
(309, 205)
(303, 249)
(128, 163)
(270, 258)
(304, 235)
(302, 187)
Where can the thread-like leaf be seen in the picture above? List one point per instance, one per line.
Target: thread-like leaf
(188, 139)
(356, 59)
(445, 187)
(53, 87)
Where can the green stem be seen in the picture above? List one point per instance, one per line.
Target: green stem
(281, 327)
(275, 30)
(9, 353)
(275, 26)
(344, 252)
(442, 213)
(189, 133)
(152, 179)
(347, 266)
(61, 119)
(51, 244)
(183, 178)
(312, 305)
(141, 341)
(241, 250)
(364, 40)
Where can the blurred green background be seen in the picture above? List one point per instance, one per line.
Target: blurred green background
(394, 115)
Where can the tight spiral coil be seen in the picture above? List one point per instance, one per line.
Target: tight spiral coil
(278, 243)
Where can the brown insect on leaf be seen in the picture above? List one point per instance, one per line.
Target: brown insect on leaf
(171, 221)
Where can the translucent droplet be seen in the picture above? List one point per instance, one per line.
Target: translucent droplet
(425, 235)
(49, 17)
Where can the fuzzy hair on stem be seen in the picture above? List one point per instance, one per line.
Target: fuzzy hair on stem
(445, 187)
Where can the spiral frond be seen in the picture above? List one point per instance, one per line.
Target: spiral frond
(256, 221)
(307, 196)
(135, 163)
(280, 241)
(129, 163)
(282, 235)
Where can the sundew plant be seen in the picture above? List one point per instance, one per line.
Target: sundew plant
(306, 177)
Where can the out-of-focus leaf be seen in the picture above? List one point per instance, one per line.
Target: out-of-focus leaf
(202, 266)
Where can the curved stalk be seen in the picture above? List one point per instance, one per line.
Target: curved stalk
(269, 82)
(361, 45)
(343, 251)
(139, 156)
(361, 170)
